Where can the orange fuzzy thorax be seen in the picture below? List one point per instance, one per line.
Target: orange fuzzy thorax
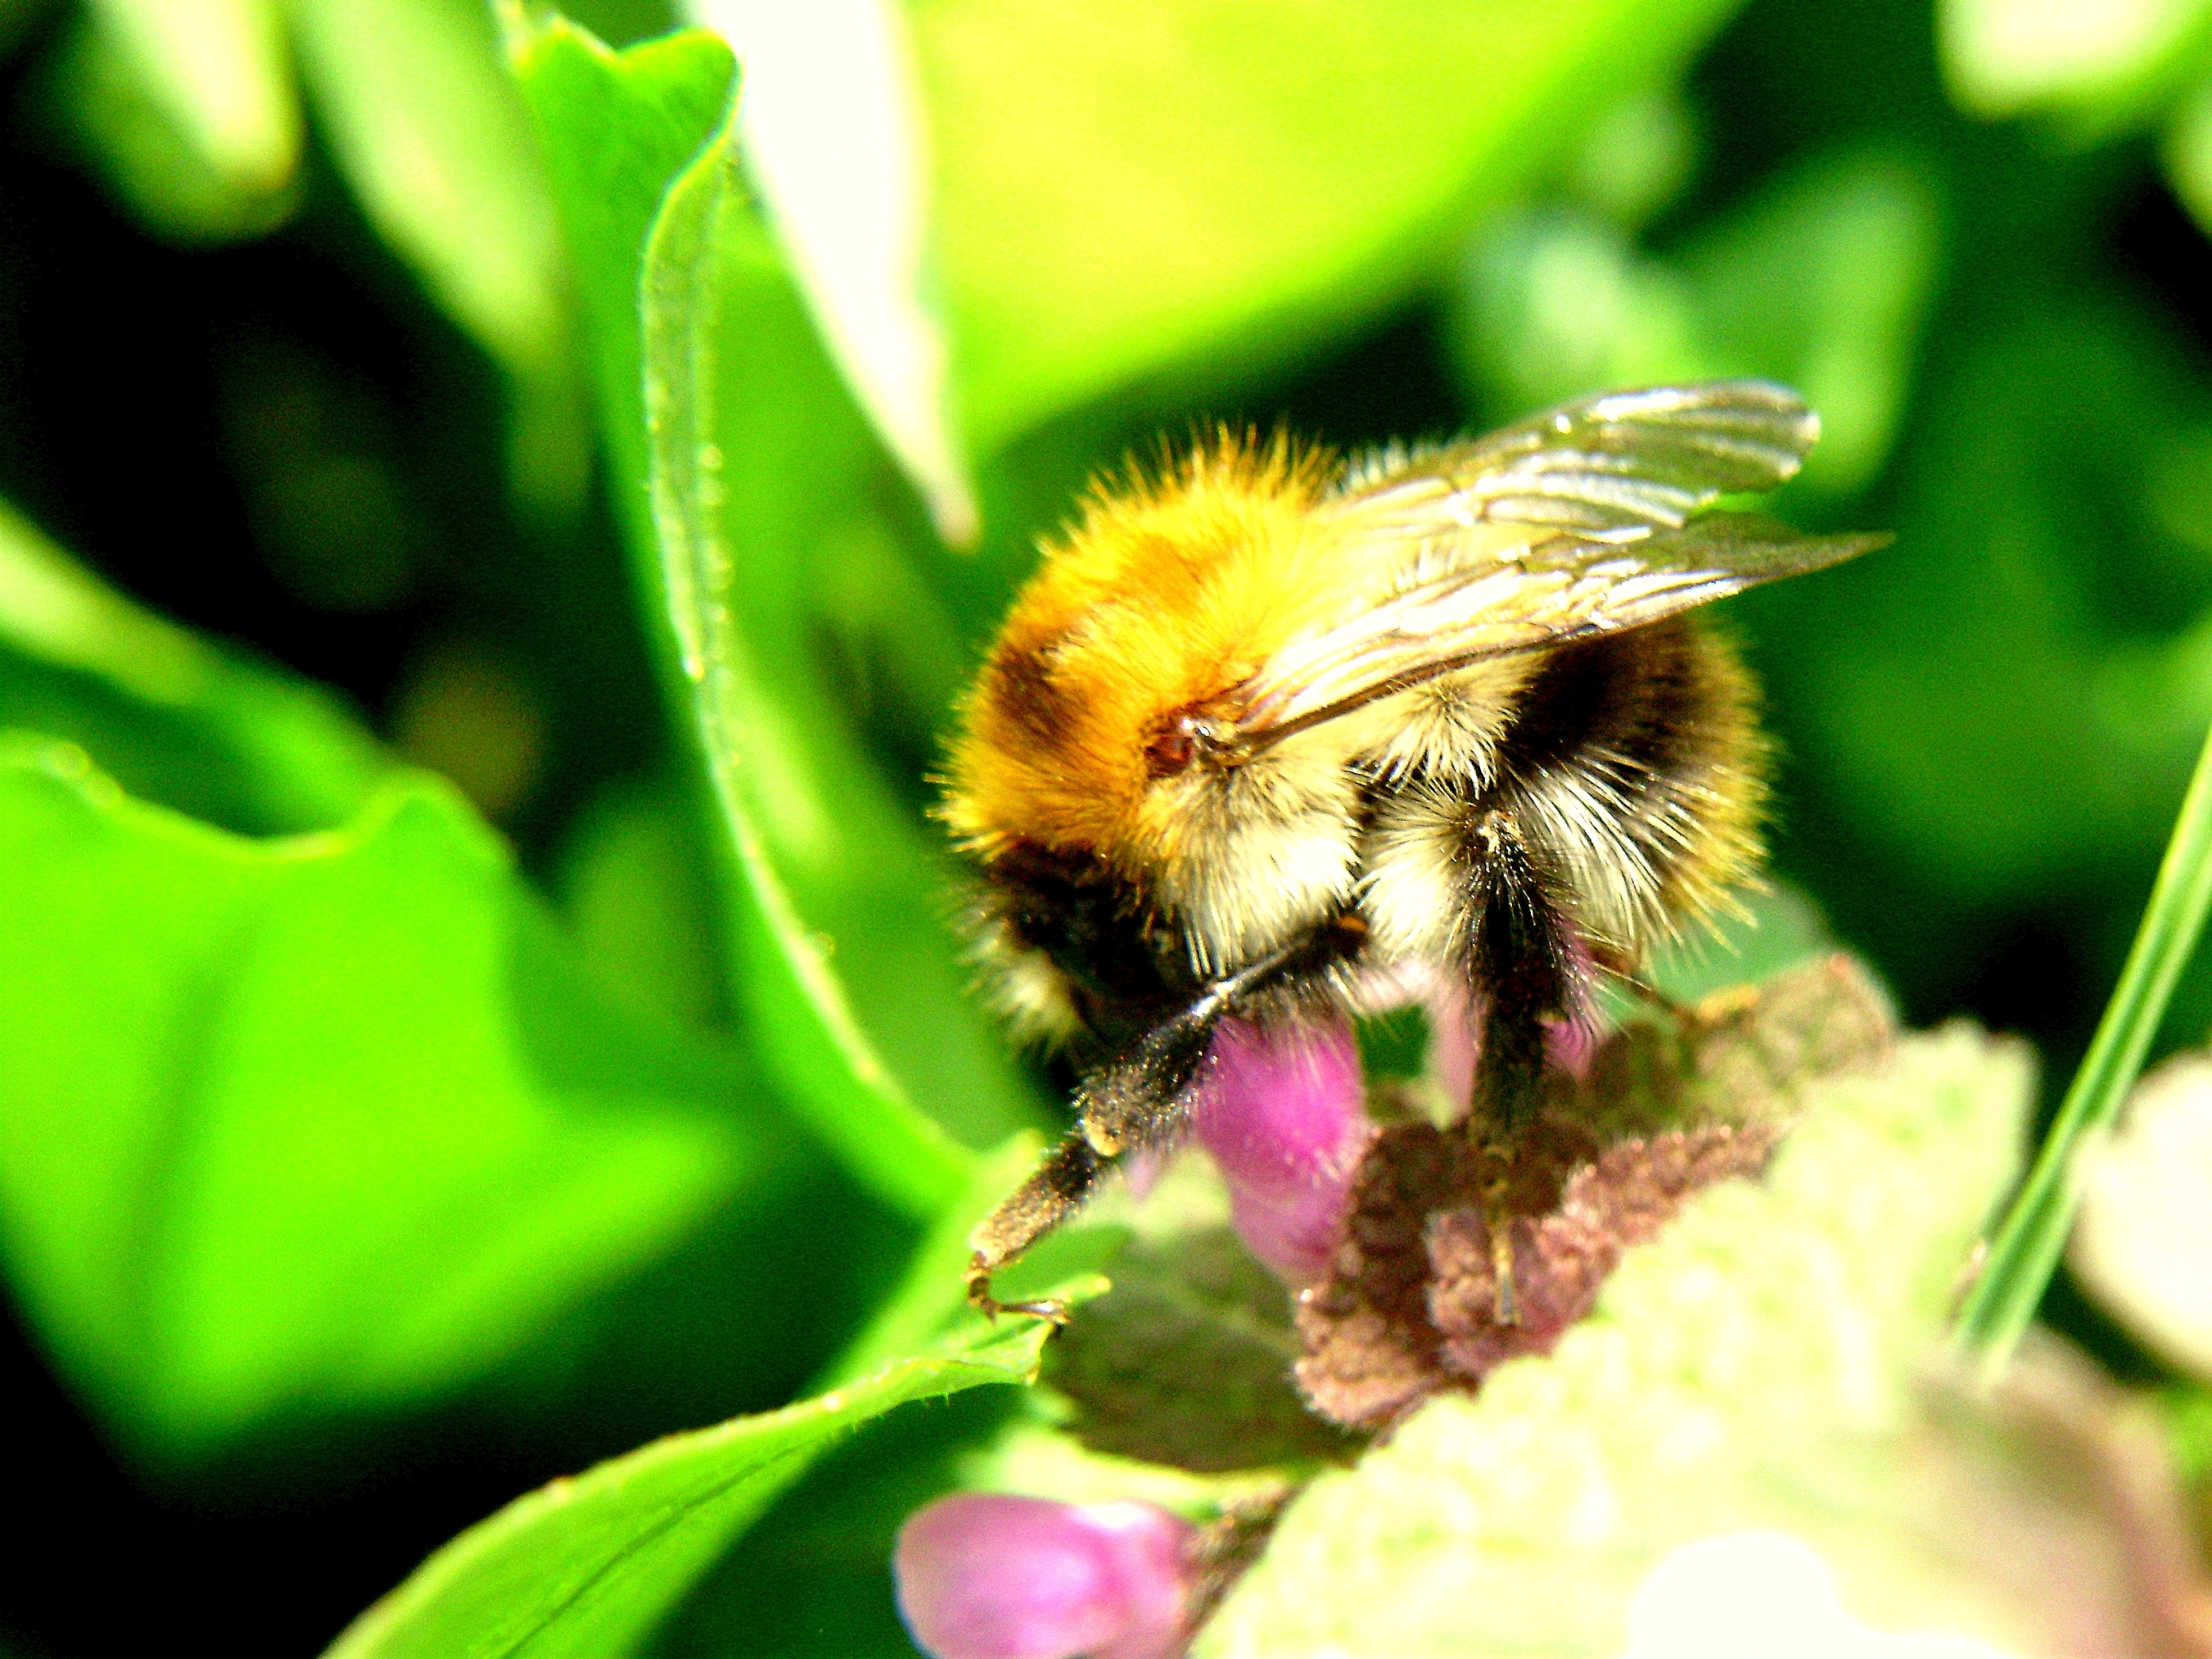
(1166, 598)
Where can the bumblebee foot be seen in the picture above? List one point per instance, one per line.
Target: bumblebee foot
(1508, 1308)
(1053, 1312)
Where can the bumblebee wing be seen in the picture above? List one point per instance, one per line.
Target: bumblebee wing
(1622, 464)
(1572, 524)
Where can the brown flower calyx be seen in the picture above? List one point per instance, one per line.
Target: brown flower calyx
(1411, 1303)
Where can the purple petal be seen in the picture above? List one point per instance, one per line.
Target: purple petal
(1452, 1042)
(984, 1575)
(1282, 1113)
(1455, 1033)
(1570, 1044)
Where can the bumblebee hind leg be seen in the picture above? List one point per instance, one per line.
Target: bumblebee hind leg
(1521, 966)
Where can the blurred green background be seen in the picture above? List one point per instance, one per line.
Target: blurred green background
(396, 1107)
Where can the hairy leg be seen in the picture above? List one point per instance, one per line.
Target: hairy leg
(1520, 962)
(1141, 1100)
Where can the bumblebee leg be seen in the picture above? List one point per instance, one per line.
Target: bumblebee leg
(1507, 1310)
(1048, 1198)
(1521, 965)
(1139, 1100)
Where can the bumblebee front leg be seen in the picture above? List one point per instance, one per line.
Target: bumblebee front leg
(1133, 1105)
(1141, 1100)
(1136, 1101)
(1056, 1192)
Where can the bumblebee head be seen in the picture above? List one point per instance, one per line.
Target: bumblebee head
(1106, 719)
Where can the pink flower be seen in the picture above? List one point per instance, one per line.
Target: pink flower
(1282, 1113)
(1455, 1021)
(983, 1575)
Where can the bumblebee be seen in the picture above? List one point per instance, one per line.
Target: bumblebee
(1269, 736)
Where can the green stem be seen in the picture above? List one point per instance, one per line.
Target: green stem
(2025, 1250)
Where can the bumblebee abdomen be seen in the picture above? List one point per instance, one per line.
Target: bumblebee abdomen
(1628, 774)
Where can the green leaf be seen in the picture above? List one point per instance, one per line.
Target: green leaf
(2101, 62)
(126, 104)
(426, 125)
(932, 1293)
(1758, 1365)
(753, 469)
(1821, 281)
(832, 139)
(2024, 1250)
(746, 386)
(1191, 1303)
(635, 892)
(1776, 929)
(172, 717)
(1636, 157)
(810, 1580)
(2188, 1413)
(323, 1122)
(615, 129)
(218, 68)
(803, 1018)
(2188, 154)
(587, 1567)
(1118, 192)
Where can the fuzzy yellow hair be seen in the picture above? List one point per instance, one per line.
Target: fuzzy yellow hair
(1171, 591)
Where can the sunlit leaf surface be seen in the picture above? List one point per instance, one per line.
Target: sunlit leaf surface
(584, 1568)
(1304, 165)
(219, 67)
(832, 131)
(2098, 59)
(752, 460)
(319, 1121)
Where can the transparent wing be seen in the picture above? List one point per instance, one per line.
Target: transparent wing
(1570, 524)
(1621, 465)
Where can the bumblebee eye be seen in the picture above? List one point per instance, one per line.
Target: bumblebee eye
(1172, 750)
(1189, 737)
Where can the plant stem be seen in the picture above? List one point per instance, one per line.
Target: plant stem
(2024, 1251)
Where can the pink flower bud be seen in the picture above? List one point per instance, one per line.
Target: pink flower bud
(983, 1575)
(1283, 1114)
